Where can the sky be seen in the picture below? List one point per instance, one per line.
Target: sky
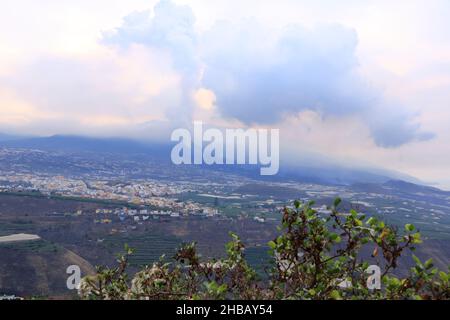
(363, 83)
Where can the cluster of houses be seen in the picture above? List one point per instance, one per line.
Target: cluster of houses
(138, 215)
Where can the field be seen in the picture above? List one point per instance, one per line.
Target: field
(148, 247)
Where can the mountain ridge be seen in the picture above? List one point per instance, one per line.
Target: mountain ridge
(325, 174)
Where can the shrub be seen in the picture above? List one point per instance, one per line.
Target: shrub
(316, 256)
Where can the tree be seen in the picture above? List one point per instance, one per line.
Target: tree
(316, 256)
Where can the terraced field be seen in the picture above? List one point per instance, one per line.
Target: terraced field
(149, 247)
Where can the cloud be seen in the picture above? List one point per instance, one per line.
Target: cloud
(170, 27)
(110, 93)
(157, 66)
(260, 78)
(391, 127)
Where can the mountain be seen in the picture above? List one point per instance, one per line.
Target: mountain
(408, 187)
(406, 190)
(84, 144)
(8, 137)
(325, 173)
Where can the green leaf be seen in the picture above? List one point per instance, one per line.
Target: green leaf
(222, 288)
(409, 227)
(394, 282)
(337, 202)
(416, 260)
(335, 237)
(416, 238)
(272, 245)
(335, 295)
(428, 264)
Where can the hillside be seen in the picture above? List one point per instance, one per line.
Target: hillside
(37, 268)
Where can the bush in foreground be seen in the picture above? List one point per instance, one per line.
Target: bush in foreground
(316, 256)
